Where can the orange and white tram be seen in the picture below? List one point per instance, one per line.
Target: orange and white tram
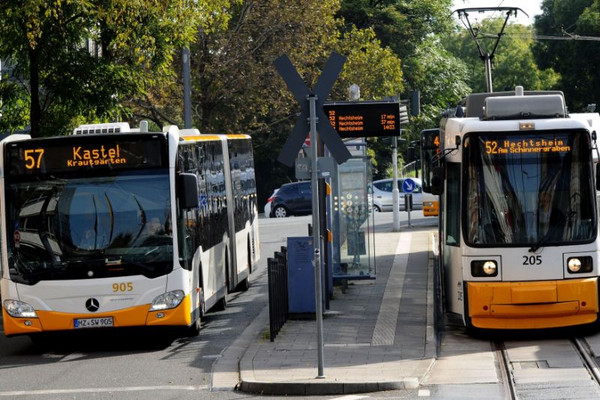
(518, 187)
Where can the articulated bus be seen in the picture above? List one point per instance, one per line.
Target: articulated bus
(116, 227)
(519, 183)
(430, 149)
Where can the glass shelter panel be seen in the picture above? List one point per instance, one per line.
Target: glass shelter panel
(352, 218)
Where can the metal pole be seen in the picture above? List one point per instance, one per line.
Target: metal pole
(312, 99)
(488, 73)
(187, 90)
(395, 191)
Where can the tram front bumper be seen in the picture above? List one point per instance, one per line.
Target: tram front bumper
(532, 305)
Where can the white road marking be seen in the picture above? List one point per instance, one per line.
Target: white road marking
(101, 390)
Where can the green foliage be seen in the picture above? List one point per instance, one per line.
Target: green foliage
(575, 60)
(399, 24)
(133, 43)
(377, 70)
(513, 63)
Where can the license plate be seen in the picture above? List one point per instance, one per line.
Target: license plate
(93, 322)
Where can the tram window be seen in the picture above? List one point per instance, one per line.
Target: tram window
(453, 205)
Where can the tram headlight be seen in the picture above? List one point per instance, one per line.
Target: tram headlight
(167, 300)
(484, 268)
(19, 309)
(579, 265)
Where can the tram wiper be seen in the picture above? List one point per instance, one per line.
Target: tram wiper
(540, 243)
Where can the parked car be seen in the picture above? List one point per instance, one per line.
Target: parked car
(292, 199)
(268, 204)
(382, 194)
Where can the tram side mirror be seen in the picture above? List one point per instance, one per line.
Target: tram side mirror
(437, 180)
(188, 190)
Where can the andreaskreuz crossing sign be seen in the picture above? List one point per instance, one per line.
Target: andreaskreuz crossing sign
(301, 92)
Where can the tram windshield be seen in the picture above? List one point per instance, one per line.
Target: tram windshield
(528, 189)
(90, 227)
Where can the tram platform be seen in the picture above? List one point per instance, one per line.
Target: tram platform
(378, 334)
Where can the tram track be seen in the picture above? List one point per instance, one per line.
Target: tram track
(588, 358)
(531, 367)
(505, 370)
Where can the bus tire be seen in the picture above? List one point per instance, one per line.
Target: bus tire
(243, 286)
(221, 305)
(194, 329)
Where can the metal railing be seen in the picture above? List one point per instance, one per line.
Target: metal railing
(278, 291)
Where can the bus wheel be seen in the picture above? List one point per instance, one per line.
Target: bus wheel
(194, 329)
(221, 304)
(243, 286)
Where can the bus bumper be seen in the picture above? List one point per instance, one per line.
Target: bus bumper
(129, 317)
(532, 305)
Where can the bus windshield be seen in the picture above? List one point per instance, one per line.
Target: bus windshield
(90, 227)
(528, 189)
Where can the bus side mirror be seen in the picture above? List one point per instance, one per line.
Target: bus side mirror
(437, 181)
(598, 176)
(188, 191)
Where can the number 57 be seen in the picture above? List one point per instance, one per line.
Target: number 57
(30, 161)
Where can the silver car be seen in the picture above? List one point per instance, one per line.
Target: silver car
(382, 193)
(268, 204)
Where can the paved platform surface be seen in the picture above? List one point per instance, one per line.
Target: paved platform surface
(378, 334)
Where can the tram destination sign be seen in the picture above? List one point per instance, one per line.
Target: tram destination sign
(72, 153)
(364, 119)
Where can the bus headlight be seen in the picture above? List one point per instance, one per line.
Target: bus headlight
(18, 309)
(578, 265)
(484, 268)
(167, 300)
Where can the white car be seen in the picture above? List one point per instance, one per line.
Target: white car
(268, 204)
(382, 193)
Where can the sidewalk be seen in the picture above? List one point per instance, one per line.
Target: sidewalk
(378, 335)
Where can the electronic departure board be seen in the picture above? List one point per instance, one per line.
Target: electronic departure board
(364, 119)
(85, 153)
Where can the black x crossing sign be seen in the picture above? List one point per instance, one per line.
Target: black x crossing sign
(294, 82)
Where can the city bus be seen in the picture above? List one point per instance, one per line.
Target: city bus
(116, 227)
(430, 149)
(518, 184)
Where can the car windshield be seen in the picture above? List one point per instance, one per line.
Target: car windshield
(528, 189)
(90, 227)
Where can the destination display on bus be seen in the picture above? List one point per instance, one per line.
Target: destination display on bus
(364, 119)
(85, 153)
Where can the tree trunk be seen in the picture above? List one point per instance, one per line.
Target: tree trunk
(35, 112)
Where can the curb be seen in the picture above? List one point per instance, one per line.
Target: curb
(324, 388)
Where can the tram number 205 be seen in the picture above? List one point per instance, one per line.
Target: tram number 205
(532, 260)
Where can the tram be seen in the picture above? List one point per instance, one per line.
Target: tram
(518, 180)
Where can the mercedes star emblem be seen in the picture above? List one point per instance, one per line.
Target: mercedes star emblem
(92, 304)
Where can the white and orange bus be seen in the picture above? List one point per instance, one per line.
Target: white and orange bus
(112, 227)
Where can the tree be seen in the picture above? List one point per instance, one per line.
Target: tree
(576, 60)
(399, 24)
(237, 89)
(513, 63)
(85, 59)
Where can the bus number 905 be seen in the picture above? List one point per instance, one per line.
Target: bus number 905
(122, 287)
